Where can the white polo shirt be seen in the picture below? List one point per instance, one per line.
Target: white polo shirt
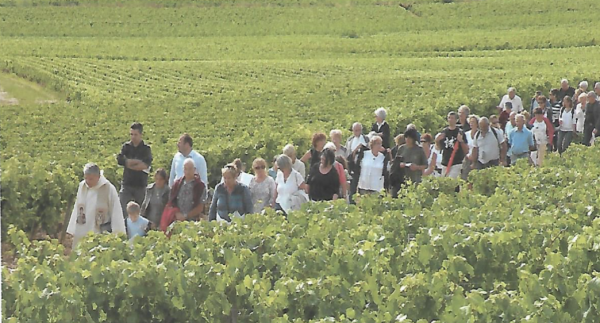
(488, 145)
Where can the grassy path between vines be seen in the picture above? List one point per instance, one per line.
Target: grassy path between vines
(15, 90)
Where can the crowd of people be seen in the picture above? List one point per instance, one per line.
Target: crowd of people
(332, 169)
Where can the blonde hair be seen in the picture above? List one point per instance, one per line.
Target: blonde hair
(375, 139)
(133, 208)
(399, 140)
(289, 150)
(231, 170)
(335, 132)
(259, 162)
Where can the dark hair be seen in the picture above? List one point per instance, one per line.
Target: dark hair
(538, 111)
(329, 156)
(342, 160)
(412, 134)
(452, 113)
(162, 173)
(554, 92)
(427, 138)
(137, 126)
(567, 98)
(187, 139)
(238, 165)
(319, 136)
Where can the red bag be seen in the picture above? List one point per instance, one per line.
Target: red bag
(168, 217)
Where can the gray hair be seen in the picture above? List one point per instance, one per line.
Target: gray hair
(512, 89)
(411, 126)
(582, 96)
(335, 132)
(357, 124)
(564, 81)
(289, 150)
(597, 85)
(583, 84)
(484, 119)
(463, 108)
(330, 145)
(381, 112)
(284, 162)
(189, 160)
(91, 169)
(520, 116)
(372, 135)
(591, 94)
(513, 114)
(133, 208)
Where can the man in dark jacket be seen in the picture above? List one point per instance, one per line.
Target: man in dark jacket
(565, 90)
(592, 118)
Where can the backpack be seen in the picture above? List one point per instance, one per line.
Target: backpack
(563, 110)
(495, 135)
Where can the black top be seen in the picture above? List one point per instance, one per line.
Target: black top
(142, 152)
(562, 93)
(464, 126)
(592, 115)
(385, 130)
(448, 146)
(323, 186)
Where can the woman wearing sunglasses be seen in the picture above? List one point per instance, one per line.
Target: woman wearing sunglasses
(262, 186)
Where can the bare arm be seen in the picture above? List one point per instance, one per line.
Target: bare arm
(306, 157)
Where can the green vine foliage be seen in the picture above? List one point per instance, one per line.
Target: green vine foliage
(527, 250)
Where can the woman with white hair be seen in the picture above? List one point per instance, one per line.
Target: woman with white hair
(381, 127)
(336, 138)
(297, 164)
(290, 187)
(580, 112)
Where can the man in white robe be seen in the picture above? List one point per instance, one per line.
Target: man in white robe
(97, 208)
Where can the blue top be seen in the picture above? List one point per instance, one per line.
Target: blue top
(177, 167)
(137, 228)
(223, 204)
(520, 141)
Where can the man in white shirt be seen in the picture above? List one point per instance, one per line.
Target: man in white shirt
(512, 97)
(358, 138)
(489, 146)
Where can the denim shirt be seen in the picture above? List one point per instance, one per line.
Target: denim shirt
(223, 203)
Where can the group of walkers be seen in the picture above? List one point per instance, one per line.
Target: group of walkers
(363, 164)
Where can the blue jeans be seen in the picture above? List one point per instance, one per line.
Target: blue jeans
(564, 140)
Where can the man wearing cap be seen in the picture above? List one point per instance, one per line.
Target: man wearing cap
(512, 97)
(591, 127)
(97, 208)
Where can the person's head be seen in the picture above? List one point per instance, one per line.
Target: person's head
(597, 88)
(463, 112)
(240, 167)
(284, 163)
(290, 151)
(583, 85)
(259, 166)
(133, 210)
(564, 84)
(520, 121)
(541, 100)
(512, 117)
(554, 94)
(567, 102)
(135, 133)
(331, 146)
(538, 114)
(274, 163)
(512, 92)
(526, 115)
(537, 94)
(357, 129)
(185, 143)
(426, 140)
(230, 174)
(160, 178)
(411, 137)
(189, 169)
(474, 122)
(91, 174)
(380, 114)
(493, 121)
(327, 157)
(399, 140)
(336, 136)
(591, 97)
(484, 124)
(583, 98)
(508, 106)
(411, 126)
(318, 141)
(375, 144)
(452, 118)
